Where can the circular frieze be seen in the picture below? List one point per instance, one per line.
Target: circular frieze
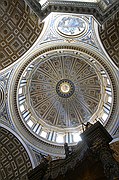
(71, 26)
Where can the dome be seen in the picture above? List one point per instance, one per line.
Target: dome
(59, 91)
(64, 91)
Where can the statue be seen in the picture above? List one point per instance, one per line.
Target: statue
(87, 125)
(67, 151)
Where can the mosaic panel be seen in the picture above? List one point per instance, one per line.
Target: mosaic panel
(19, 29)
(71, 26)
(110, 37)
(15, 162)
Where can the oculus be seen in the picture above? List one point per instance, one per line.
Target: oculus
(65, 88)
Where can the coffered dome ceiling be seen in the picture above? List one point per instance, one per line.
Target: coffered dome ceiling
(58, 91)
(61, 90)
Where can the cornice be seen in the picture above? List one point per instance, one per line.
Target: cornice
(95, 9)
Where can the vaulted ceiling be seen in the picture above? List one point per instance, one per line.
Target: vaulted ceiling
(19, 29)
(109, 35)
(52, 86)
